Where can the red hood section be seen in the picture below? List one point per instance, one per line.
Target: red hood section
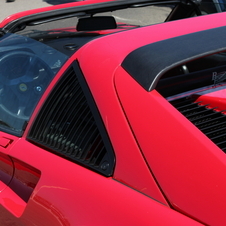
(213, 98)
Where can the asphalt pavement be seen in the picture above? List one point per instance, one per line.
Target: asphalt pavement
(9, 8)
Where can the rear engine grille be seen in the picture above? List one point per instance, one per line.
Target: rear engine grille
(210, 121)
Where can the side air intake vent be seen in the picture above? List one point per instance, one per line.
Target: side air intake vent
(210, 121)
(66, 125)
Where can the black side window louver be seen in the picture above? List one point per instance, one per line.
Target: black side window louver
(210, 122)
(69, 125)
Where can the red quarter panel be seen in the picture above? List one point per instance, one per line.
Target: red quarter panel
(189, 168)
(69, 194)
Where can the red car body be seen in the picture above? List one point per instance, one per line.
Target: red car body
(163, 169)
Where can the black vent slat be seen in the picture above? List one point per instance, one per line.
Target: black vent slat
(60, 117)
(215, 131)
(181, 104)
(205, 127)
(222, 143)
(89, 155)
(203, 118)
(94, 156)
(58, 113)
(82, 130)
(86, 146)
(187, 107)
(87, 136)
(214, 126)
(54, 100)
(69, 128)
(197, 115)
(191, 108)
(218, 136)
(210, 121)
(66, 126)
(69, 146)
(213, 120)
(75, 131)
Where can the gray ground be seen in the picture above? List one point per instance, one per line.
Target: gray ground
(7, 9)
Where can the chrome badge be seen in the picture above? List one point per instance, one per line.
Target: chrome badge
(218, 77)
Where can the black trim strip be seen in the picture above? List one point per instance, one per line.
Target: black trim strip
(148, 63)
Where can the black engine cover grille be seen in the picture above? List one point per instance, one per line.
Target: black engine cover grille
(210, 121)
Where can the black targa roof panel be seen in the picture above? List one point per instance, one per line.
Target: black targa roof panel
(148, 63)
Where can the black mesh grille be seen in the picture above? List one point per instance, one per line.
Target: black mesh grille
(66, 125)
(210, 121)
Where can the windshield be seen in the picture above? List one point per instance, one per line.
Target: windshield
(26, 68)
(136, 16)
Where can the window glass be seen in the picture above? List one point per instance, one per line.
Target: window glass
(26, 68)
(138, 16)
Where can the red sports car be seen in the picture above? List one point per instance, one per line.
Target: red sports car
(113, 113)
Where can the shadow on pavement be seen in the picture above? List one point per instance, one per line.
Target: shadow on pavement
(57, 2)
